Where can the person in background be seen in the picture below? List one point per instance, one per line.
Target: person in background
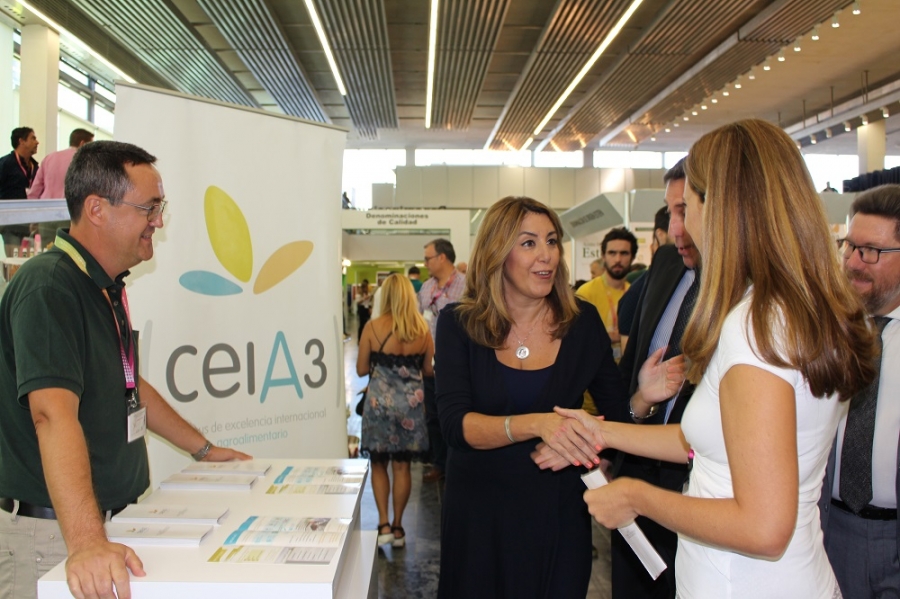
(597, 268)
(666, 304)
(629, 302)
(363, 306)
(444, 286)
(51, 177)
(777, 340)
(635, 271)
(413, 274)
(396, 352)
(462, 267)
(17, 172)
(19, 168)
(73, 410)
(619, 247)
(516, 345)
(859, 498)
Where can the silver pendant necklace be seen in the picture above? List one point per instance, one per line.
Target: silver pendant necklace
(522, 351)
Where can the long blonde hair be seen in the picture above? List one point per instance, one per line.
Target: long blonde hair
(764, 224)
(482, 308)
(399, 302)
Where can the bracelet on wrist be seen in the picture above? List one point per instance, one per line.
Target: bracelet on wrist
(508, 432)
(198, 457)
(653, 410)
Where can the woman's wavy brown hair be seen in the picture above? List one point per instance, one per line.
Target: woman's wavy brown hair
(765, 225)
(482, 309)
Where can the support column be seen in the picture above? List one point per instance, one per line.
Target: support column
(871, 145)
(588, 157)
(7, 116)
(38, 96)
(410, 156)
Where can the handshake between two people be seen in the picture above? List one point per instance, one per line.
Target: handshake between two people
(574, 437)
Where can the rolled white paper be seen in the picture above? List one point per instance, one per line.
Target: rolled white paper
(631, 532)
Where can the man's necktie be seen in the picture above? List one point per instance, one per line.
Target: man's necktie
(684, 315)
(856, 455)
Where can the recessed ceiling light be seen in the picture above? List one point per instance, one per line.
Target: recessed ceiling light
(834, 21)
(864, 119)
(815, 34)
(694, 112)
(737, 86)
(781, 56)
(725, 93)
(687, 118)
(885, 112)
(812, 138)
(847, 126)
(590, 63)
(703, 107)
(652, 139)
(856, 9)
(668, 130)
(714, 101)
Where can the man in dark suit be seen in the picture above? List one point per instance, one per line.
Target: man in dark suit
(663, 310)
(859, 499)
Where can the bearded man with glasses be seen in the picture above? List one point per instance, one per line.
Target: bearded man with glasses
(859, 500)
(73, 409)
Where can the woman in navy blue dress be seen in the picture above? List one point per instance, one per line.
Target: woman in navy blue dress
(517, 345)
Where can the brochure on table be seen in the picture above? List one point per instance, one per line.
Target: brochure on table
(273, 545)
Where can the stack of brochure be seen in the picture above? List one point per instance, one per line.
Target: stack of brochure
(208, 482)
(184, 535)
(282, 540)
(238, 467)
(147, 513)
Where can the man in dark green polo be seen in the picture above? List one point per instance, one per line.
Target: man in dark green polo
(73, 410)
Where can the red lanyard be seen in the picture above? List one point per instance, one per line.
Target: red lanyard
(441, 290)
(127, 360)
(28, 174)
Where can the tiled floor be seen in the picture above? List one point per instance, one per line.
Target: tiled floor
(412, 572)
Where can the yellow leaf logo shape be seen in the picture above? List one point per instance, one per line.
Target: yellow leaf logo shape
(281, 264)
(229, 233)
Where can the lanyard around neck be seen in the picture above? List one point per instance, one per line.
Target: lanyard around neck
(29, 174)
(127, 358)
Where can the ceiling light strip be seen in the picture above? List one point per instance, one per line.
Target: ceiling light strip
(432, 52)
(77, 41)
(590, 63)
(320, 31)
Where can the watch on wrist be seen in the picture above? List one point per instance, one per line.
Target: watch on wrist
(653, 410)
(203, 452)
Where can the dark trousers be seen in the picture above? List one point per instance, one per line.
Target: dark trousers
(364, 315)
(630, 579)
(435, 438)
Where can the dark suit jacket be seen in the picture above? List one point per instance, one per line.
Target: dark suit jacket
(662, 279)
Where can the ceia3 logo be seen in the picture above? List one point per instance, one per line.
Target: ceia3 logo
(229, 237)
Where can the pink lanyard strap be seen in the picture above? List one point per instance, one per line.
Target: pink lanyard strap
(127, 359)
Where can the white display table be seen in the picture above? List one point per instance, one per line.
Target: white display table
(186, 573)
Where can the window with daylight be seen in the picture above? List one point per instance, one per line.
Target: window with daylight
(362, 168)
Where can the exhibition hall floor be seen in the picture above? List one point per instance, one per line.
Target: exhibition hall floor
(412, 572)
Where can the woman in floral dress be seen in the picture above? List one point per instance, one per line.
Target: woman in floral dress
(395, 350)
